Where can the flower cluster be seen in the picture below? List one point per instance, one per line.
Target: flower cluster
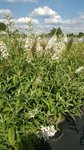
(33, 46)
(39, 48)
(65, 38)
(38, 80)
(3, 50)
(56, 45)
(32, 113)
(47, 132)
(28, 46)
(28, 43)
(79, 69)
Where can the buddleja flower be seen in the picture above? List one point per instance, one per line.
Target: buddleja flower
(39, 48)
(51, 43)
(33, 46)
(79, 69)
(65, 39)
(28, 43)
(46, 132)
(38, 80)
(33, 113)
(27, 49)
(56, 45)
(3, 50)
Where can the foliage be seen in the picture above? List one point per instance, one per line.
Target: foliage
(81, 34)
(37, 93)
(78, 35)
(56, 31)
(2, 26)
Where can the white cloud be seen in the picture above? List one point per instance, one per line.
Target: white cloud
(43, 11)
(5, 12)
(49, 19)
(75, 24)
(26, 20)
(53, 20)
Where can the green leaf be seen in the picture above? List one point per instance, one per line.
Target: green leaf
(15, 80)
(46, 103)
(57, 96)
(11, 135)
(6, 109)
(39, 94)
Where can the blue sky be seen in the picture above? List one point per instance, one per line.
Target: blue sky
(46, 14)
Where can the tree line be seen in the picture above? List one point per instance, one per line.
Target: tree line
(58, 31)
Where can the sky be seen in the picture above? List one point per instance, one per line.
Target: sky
(46, 14)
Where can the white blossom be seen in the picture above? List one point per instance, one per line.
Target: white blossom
(39, 48)
(38, 79)
(47, 132)
(56, 46)
(81, 39)
(51, 42)
(65, 38)
(79, 69)
(32, 42)
(28, 43)
(55, 57)
(27, 49)
(3, 50)
(32, 113)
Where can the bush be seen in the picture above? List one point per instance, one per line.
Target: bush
(37, 93)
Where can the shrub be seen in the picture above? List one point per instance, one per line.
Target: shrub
(37, 93)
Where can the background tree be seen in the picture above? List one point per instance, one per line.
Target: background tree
(2, 26)
(80, 34)
(57, 31)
